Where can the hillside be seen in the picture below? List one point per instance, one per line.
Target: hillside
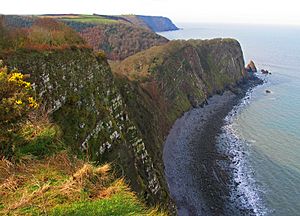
(120, 36)
(118, 39)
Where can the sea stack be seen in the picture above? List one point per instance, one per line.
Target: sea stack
(251, 67)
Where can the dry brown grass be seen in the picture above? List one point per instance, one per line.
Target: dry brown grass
(94, 178)
(59, 178)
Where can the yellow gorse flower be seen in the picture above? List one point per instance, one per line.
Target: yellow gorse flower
(16, 77)
(32, 103)
(19, 102)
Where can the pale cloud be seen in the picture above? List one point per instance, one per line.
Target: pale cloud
(234, 11)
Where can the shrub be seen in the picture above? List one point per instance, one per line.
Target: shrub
(101, 55)
(16, 102)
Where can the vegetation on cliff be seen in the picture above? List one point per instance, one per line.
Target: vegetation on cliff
(16, 103)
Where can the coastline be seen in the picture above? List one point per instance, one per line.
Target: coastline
(195, 180)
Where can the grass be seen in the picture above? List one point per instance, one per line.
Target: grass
(42, 145)
(90, 19)
(117, 205)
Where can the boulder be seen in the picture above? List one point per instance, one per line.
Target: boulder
(251, 67)
(265, 71)
(268, 91)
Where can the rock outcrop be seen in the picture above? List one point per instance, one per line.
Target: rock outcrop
(265, 71)
(251, 67)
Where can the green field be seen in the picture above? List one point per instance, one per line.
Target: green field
(90, 19)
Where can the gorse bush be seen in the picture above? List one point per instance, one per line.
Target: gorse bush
(16, 102)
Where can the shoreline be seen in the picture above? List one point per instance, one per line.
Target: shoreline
(197, 184)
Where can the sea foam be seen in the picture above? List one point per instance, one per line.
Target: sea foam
(245, 194)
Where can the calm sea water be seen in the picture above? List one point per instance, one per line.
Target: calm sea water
(263, 133)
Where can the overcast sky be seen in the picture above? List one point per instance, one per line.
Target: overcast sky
(221, 11)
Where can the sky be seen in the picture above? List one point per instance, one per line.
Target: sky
(217, 11)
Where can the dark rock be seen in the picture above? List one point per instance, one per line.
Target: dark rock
(265, 71)
(268, 91)
(251, 67)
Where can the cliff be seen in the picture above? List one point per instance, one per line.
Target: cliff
(154, 23)
(160, 84)
(125, 119)
(78, 91)
(182, 74)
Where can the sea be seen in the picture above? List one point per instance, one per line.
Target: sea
(262, 134)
